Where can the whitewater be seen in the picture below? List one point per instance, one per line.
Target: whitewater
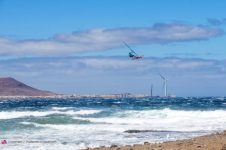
(49, 124)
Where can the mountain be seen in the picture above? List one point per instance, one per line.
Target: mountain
(11, 87)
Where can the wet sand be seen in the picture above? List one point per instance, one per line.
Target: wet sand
(208, 142)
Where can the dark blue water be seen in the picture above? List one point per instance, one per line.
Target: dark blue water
(203, 103)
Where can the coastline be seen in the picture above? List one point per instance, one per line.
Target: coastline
(104, 96)
(216, 141)
(63, 96)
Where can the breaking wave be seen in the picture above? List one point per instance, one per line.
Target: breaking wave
(20, 114)
(78, 124)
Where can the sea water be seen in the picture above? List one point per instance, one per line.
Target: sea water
(41, 124)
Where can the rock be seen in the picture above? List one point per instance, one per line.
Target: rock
(142, 131)
(137, 131)
(146, 143)
(223, 147)
(113, 146)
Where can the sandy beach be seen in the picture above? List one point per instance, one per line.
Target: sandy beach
(208, 142)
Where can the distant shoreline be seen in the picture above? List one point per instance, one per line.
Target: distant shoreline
(104, 96)
(216, 141)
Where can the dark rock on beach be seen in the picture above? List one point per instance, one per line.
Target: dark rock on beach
(142, 131)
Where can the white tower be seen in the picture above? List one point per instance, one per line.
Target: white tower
(165, 85)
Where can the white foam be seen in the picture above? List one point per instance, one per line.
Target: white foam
(87, 112)
(19, 114)
(167, 119)
(110, 130)
(62, 108)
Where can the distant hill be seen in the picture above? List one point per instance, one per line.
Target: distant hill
(11, 87)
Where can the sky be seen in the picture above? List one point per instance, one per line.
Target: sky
(76, 47)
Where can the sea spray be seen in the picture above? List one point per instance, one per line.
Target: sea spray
(81, 123)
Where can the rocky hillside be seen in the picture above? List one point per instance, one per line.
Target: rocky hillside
(11, 87)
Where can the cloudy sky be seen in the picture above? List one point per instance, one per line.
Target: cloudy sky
(77, 46)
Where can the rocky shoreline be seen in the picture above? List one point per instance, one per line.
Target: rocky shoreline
(215, 141)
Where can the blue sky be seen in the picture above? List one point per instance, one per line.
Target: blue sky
(80, 42)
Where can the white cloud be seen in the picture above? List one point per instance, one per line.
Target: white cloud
(119, 74)
(112, 64)
(104, 39)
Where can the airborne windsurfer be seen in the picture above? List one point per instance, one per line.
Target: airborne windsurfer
(132, 54)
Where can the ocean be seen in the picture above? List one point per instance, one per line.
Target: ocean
(49, 124)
